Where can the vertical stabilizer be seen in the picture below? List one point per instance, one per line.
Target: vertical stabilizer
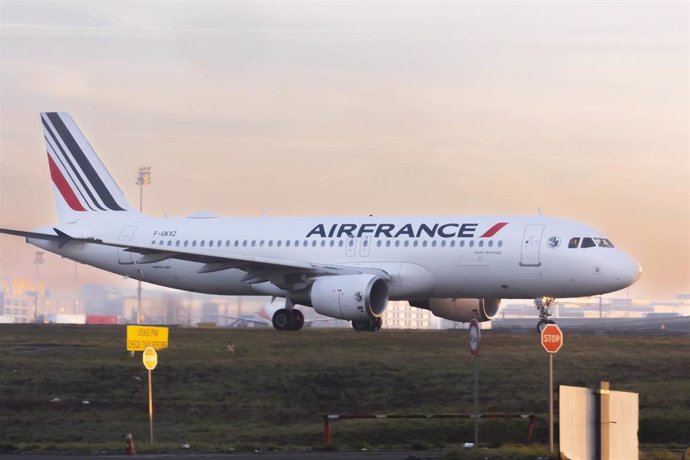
(81, 183)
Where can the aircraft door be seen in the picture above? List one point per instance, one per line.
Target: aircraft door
(531, 244)
(365, 246)
(127, 233)
(350, 246)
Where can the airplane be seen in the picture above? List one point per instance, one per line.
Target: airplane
(458, 267)
(263, 318)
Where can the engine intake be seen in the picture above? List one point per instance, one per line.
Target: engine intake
(350, 297)
(462, 310)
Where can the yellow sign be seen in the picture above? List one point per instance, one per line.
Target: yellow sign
(140, 337)
(150, 358)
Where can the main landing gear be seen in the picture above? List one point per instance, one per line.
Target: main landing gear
(288, 320)
(371, 325)
(543, 304)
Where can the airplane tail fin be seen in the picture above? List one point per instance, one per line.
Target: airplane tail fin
(81, 183)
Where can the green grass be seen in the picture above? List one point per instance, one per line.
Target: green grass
(274, 390)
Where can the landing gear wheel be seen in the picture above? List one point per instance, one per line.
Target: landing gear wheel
(543, 304)
(283, 319)
(378, 322)
(297, 320)
(370, 325)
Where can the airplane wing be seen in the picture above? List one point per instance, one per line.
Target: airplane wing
(281, 272)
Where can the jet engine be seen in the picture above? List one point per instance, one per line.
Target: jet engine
(351, 297)
(461, 310)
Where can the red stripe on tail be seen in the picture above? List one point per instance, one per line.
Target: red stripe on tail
(63, 186)
(493, 230)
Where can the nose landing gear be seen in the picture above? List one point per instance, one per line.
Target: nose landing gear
(543, 304)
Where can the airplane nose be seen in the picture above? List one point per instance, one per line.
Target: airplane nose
(629, 269)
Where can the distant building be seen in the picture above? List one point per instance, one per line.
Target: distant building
(399, 315)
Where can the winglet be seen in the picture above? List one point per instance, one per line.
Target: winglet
(63, 238)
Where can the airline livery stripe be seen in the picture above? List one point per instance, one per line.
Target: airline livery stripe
(86, 167)
(60, 164)
(493, 230)
(71, 165)
(63, 186)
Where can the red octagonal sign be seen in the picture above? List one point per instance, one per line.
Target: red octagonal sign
(551, 338)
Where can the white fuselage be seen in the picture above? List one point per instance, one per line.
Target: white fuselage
(440, 257)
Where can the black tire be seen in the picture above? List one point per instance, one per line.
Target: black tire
(377, 322)
(360, 325)
(282, 320)
(297, 320)
(541, 325)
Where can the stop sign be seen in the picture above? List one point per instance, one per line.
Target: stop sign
(551, 338)
(150, 358)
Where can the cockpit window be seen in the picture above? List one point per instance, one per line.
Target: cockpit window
(588, 243)
(574, 242)
(603, 243)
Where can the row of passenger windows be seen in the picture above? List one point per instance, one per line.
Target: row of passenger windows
(589, 243)
(331, 243)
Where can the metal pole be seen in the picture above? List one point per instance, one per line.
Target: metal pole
(150, 411)
(476, 403)
(141, 207)
(605, 427)
(551, 402)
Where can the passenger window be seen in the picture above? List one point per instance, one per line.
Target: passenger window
(296, 243)
(574, 242)
(177, 243)
(587, 243)
(253, 243)
(227, 244)
(462, 243)
(244, 243)
(278, 243)
(332, 243)
(415, 244)
(186, 243)
(443, 243)
(406, 243)
(397, 243)
(210, 244)
(481, 243)
(500, 243)
(388, 243)
(203, 243)
(194, 243)
(160, 242)
(287, 244)
(153, 242)
(365, 243)
(433, 244)
(261, 243)
(305, 243)
(452, 243)
(378, 243)
(313, 243)
(270, 243)
(471, 243)
(424, 243)
(169, 242)
(341, 243)
(237, 243)
(220, 243)
(323, 243)
(491, 243)
(351, 243)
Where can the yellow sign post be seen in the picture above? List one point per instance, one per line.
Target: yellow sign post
(141, 337)
(150, 359)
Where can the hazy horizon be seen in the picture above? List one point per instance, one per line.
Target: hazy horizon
(349, 108)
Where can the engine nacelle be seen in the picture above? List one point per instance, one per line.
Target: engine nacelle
(462, 310)
(345, 296)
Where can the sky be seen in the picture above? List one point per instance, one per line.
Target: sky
(579, 109)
